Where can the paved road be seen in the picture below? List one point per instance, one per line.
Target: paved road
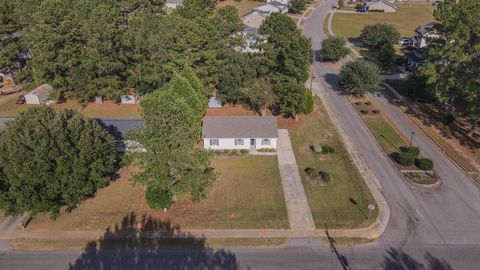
(429, 229)
(299, 215)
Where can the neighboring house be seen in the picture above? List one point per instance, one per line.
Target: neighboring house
(381, 5)
(6, 79)
(414, 59)
(283, 2)
(251, 40)
(239, 132)
(39, 94)
(424, 34)
(173, 4)
(213, 102)
(272, 7)
(254, 19)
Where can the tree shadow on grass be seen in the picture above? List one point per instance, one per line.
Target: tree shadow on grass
(396, 259)
(148, 243)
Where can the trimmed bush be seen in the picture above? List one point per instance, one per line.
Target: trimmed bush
(243, 151)
(376, 112)
(368, 103)
(317, 149)
(364, 111)
(267, 150)
(358, 103)
(405, 159)
(226, 151)
(158, 198)
(312, 172)
(236, 152)
(327, 149)
(412, 150)
(425, 164)
(326, 177)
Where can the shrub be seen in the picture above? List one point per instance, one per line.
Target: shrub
(158, 198)
(364, 111)
(226, 151)
(358, 103)
(309, 103)
(243, 151)
(425, 164)
(378, 35)
(328, 149)
(317, 149)
(236, 152)
(405, 159)
(375, 111)
(412, 150)
(312, 172)
(368, 103)
(326, 177)
(267, 150)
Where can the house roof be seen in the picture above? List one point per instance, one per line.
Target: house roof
(40, 90)
(381, 1)
(174, 2)
(414, 56)
(423, 29)
(254, 19)
(239, 127)
(119, 127)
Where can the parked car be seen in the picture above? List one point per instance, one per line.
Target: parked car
(404, 42)
(20, 100)
(362, 8)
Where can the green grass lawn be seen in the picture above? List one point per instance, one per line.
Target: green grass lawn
(406, 19)
(330, 204)
(247, 195)
(386, 135)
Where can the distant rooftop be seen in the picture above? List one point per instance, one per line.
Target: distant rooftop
(239, 127)
(39, 90)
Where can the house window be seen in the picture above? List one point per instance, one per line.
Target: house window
(266, 141)
(238, 141)
(214, 142)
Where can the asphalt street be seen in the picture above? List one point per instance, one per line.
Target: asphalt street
(429, 228)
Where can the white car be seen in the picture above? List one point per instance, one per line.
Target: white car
(404, 42)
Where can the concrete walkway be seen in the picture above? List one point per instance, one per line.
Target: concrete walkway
(7, 229)
(299, 215)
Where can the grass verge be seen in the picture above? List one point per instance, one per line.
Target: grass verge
(22, 244)
(330, 204)
(247, 195)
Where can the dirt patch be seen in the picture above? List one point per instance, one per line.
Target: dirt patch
(230, 110)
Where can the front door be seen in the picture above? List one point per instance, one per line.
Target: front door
(252, 142)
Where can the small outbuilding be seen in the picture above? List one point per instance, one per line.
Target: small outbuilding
(39, 95)
(239, 132)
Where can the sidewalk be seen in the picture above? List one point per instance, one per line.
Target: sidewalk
(299, 214)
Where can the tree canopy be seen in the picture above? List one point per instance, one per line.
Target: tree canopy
(333, 49)
(379, 35)
(51, 160)
(359, 77)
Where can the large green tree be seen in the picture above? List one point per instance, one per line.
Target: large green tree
(359, 77)
(288, 57)
(53, 160)
(454, 58)
(379, 35)
(259, 95)
(172, 165)
(334, 49)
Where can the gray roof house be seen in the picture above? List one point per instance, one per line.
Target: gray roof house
(239, 132)
(383, 5)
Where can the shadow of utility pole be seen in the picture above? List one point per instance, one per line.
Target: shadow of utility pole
(342, 259)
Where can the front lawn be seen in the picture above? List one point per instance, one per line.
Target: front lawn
(407, 18)
(247, 195)
(330, 204)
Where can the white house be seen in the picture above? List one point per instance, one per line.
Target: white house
(239, 132)
(272, 7)
(128, 99)
(39, 94)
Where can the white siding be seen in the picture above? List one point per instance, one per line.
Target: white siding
(229, 143)
(31, 99)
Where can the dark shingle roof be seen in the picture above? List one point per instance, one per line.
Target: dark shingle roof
(239, 127)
